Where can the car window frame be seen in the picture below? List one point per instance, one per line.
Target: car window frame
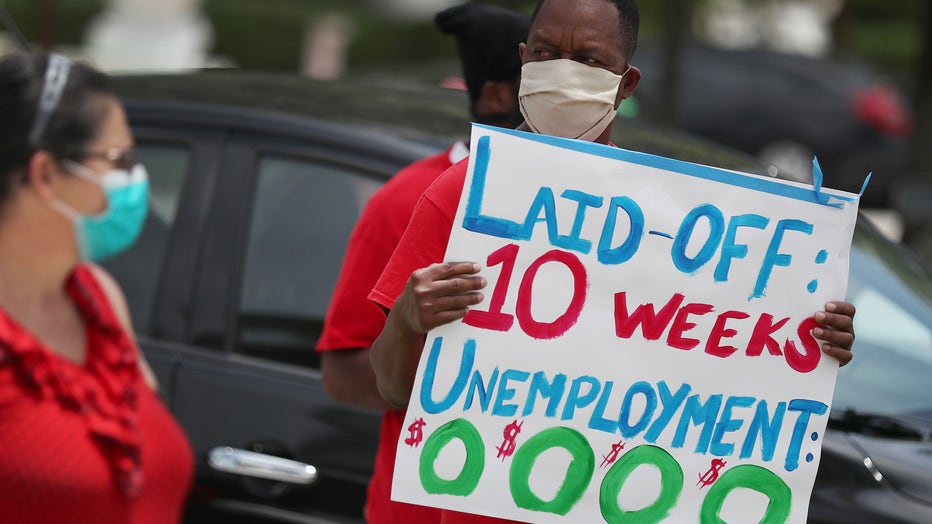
(153, 124)
(218, 284)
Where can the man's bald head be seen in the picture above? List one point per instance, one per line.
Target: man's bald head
(629, 21)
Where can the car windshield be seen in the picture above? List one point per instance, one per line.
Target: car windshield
(891, 372)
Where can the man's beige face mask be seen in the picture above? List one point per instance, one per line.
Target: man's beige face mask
(568, 99)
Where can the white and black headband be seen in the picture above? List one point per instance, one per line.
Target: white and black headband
(56, 76)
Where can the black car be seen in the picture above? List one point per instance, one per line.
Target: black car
(256, 183)
(786, 108)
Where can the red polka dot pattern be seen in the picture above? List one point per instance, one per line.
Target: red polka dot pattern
(87, 443)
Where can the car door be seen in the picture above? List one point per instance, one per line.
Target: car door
(271, 252)
(181, 164)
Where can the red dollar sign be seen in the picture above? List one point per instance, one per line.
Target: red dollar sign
(710, 476)
(508, 446)
(417, 433)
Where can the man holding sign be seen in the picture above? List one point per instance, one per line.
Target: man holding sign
(487, 39)
(576, 72)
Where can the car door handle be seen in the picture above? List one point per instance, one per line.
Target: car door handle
(260, 465)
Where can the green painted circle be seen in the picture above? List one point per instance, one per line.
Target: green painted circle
(671, 485)
(754, 478)
(578, 474)
(465, 483)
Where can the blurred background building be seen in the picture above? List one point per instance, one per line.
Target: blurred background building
(166, 35)
(791, 26)
(270, 34)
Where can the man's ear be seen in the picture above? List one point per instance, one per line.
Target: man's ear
(497, 97)
(521, 47)
(40, 174)
(628, 82)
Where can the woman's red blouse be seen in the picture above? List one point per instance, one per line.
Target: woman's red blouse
(91, 442)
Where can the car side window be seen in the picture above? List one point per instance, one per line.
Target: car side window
(892, 350)
(302, 214)
(138, 269)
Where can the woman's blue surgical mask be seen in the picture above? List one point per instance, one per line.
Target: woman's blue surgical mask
(115, 229)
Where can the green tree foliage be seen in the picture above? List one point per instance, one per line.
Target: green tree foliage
(53, 22)
(887, 34)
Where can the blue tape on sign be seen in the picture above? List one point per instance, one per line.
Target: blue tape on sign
(866, 182)
(817, 178)
(756, 183)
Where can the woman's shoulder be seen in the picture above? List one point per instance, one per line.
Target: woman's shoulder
(104, 291)
(115, 309)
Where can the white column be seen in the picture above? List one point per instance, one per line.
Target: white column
(151, 35)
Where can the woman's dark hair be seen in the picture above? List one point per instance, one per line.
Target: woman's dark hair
(72, 125)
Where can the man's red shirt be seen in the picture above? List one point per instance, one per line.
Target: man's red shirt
(425, 240)
(353, 322)
(424, 243)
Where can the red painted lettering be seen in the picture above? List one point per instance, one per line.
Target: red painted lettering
(804, 362)
(548, 330)
(680, 325)
(714, 346)
(652, 324)
(494, 319)
(762, 336)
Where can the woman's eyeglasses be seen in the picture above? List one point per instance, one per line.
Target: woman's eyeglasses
(120, 158)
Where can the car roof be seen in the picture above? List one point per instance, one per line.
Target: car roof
(722, 66)
(376, 102)
(401, 108)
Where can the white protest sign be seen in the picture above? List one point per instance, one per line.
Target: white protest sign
(643, 352)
